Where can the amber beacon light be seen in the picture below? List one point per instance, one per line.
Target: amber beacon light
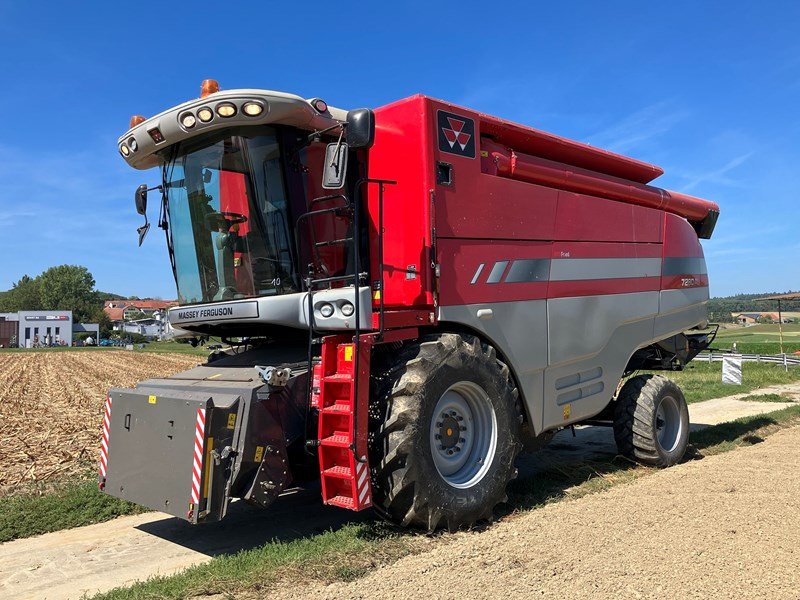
(208, 87)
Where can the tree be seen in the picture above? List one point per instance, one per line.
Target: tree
(68, 287)
(24, 295)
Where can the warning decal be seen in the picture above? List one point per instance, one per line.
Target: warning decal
(456, 134)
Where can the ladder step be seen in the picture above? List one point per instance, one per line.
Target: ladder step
(339, 472)
(338, 378)
(340, 440)
(341, 501)
(338, 408)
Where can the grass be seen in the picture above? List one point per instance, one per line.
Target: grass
(760, 339)
(353, 550)
(765, 398)
(66, 505)
(703, 380)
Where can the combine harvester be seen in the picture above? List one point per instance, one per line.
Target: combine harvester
(412, 294)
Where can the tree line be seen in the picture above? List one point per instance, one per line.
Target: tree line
(720, 309)
(65, 287)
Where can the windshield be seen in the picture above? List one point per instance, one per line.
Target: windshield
(229, 220)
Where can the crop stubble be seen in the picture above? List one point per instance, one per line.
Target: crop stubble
(51, 407)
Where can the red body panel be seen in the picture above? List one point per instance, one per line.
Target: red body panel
(517, 194)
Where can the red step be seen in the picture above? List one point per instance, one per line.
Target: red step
(345, 480)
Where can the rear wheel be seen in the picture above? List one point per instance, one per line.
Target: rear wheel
(651, 421)
(445, 433)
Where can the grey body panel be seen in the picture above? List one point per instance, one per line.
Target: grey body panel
(288, 310)
(151, 443)
(569, 353)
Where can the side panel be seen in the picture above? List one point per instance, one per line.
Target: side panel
(402, 153)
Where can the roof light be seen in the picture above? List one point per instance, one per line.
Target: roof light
(124, 150)
(133, 145)
(208, 87)
(252, 109)
(226, 109)
(188, 120)
(135, 120)
(319, 105)
(205, 114)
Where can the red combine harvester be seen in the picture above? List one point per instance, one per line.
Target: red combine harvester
(410, 295)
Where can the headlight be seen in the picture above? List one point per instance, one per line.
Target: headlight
(205, 114)
(252, 109)
(124, 150)
(226, 109)
(326, 309)
(348, 309)
(188, 120)
(133, 145)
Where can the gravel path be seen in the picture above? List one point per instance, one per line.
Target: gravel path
(727, 526)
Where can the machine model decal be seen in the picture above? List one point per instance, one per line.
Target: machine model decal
(216, 312)
(456, 134)
(104, 442)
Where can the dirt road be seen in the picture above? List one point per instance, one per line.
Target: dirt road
(70, 563)
(727, 526)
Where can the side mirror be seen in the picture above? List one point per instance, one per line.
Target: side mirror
(141, 199)
(360, 128)
(335, 167)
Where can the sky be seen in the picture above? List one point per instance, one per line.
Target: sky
(709, 91)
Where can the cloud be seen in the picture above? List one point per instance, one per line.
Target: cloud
(718, 176)
(639, 127)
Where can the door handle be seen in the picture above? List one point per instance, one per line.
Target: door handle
(128, 421)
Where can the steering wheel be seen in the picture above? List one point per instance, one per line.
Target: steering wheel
(226, 219)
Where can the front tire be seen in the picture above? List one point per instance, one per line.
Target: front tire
(445, 433)
(651, 421)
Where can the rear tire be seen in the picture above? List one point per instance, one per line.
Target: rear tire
(651, 421)
(445, 433)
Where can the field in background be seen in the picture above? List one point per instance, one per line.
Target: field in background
(703, 380)
(760, 339)
(51, 405)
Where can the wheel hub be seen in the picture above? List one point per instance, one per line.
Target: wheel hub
(449, 432)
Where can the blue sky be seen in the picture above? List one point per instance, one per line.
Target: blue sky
(709, 91)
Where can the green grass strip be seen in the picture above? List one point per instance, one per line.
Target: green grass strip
(71, 505)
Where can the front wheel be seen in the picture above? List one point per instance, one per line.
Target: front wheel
(651, 421)
(445, 433)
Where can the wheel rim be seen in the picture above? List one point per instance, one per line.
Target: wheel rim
(463, 434)
(669, 426)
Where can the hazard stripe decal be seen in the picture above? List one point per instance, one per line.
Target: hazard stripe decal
(104, 439)
(197, 463)
(363, 485)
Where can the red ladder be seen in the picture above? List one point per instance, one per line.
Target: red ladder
(345, 478)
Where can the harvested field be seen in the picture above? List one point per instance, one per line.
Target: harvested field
(51, 405)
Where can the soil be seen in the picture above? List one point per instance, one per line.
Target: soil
(51, 407)
(727, 526)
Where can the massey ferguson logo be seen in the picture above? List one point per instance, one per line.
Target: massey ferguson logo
(456, 134)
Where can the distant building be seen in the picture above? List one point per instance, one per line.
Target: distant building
(35, 328)
(747, 318)
(125, 310)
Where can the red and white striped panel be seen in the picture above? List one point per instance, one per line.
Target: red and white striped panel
(104, 440)
(363, 485)
(199, 446)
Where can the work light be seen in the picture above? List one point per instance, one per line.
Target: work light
(226, 110)
(188, 120)
(252, 109)
(205, 114)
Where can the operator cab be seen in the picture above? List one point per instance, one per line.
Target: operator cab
(253, 205)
